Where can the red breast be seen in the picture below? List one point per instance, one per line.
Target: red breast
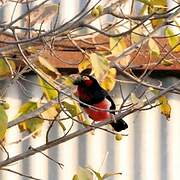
(98, 115)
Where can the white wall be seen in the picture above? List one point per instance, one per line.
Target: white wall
(150, 151)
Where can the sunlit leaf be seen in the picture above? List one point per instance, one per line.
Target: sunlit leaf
(84, 174)
(109, 81)
(107, 175)
(3, 123)
(158, 3)
(157, 6)
(5, 69)
(117, 45)
(44, 66)
(144, 10)
(137, 34)
(167, 62)
(50, 113)
(67, 80)
(85, 64)
(154, 49)
(173, 39)
(49, 91)
(124, 61)
(100, 65)
(138, 103)
(97, 11)
(97, 174)
(165, 107)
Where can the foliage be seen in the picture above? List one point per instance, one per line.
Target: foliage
(146, 38)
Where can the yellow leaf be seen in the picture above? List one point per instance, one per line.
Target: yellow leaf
(85, 64)
(157, 6)
(167, 62)
(49, 92)
(50, 113)
(154, 49)
(109, 81)
(84, 174)
(44, 65)
(97, 11)
(137, 34)
(162, 3)
(117, 45)
(67, 80)
(3, 123)
(100, 65)
(4, 68)
(165, 108)
(173, 39)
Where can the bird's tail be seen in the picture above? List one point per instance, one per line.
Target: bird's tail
(119, 125)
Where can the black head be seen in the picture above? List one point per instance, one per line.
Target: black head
(86, 81)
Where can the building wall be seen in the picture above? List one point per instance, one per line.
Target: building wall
(150, 151)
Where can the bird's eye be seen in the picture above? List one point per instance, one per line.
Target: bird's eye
(86, 78)
(87, 81)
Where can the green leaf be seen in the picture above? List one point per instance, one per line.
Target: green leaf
(71, 108)
(75, 177)
(5, 69)
(74, 110)
(3, 123)
(33, 124)
(26, 107)
(107, 175)
(100, 65)
(154, 49)
(49, 92)
(173, 39)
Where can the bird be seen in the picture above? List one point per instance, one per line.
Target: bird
(90, 93)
